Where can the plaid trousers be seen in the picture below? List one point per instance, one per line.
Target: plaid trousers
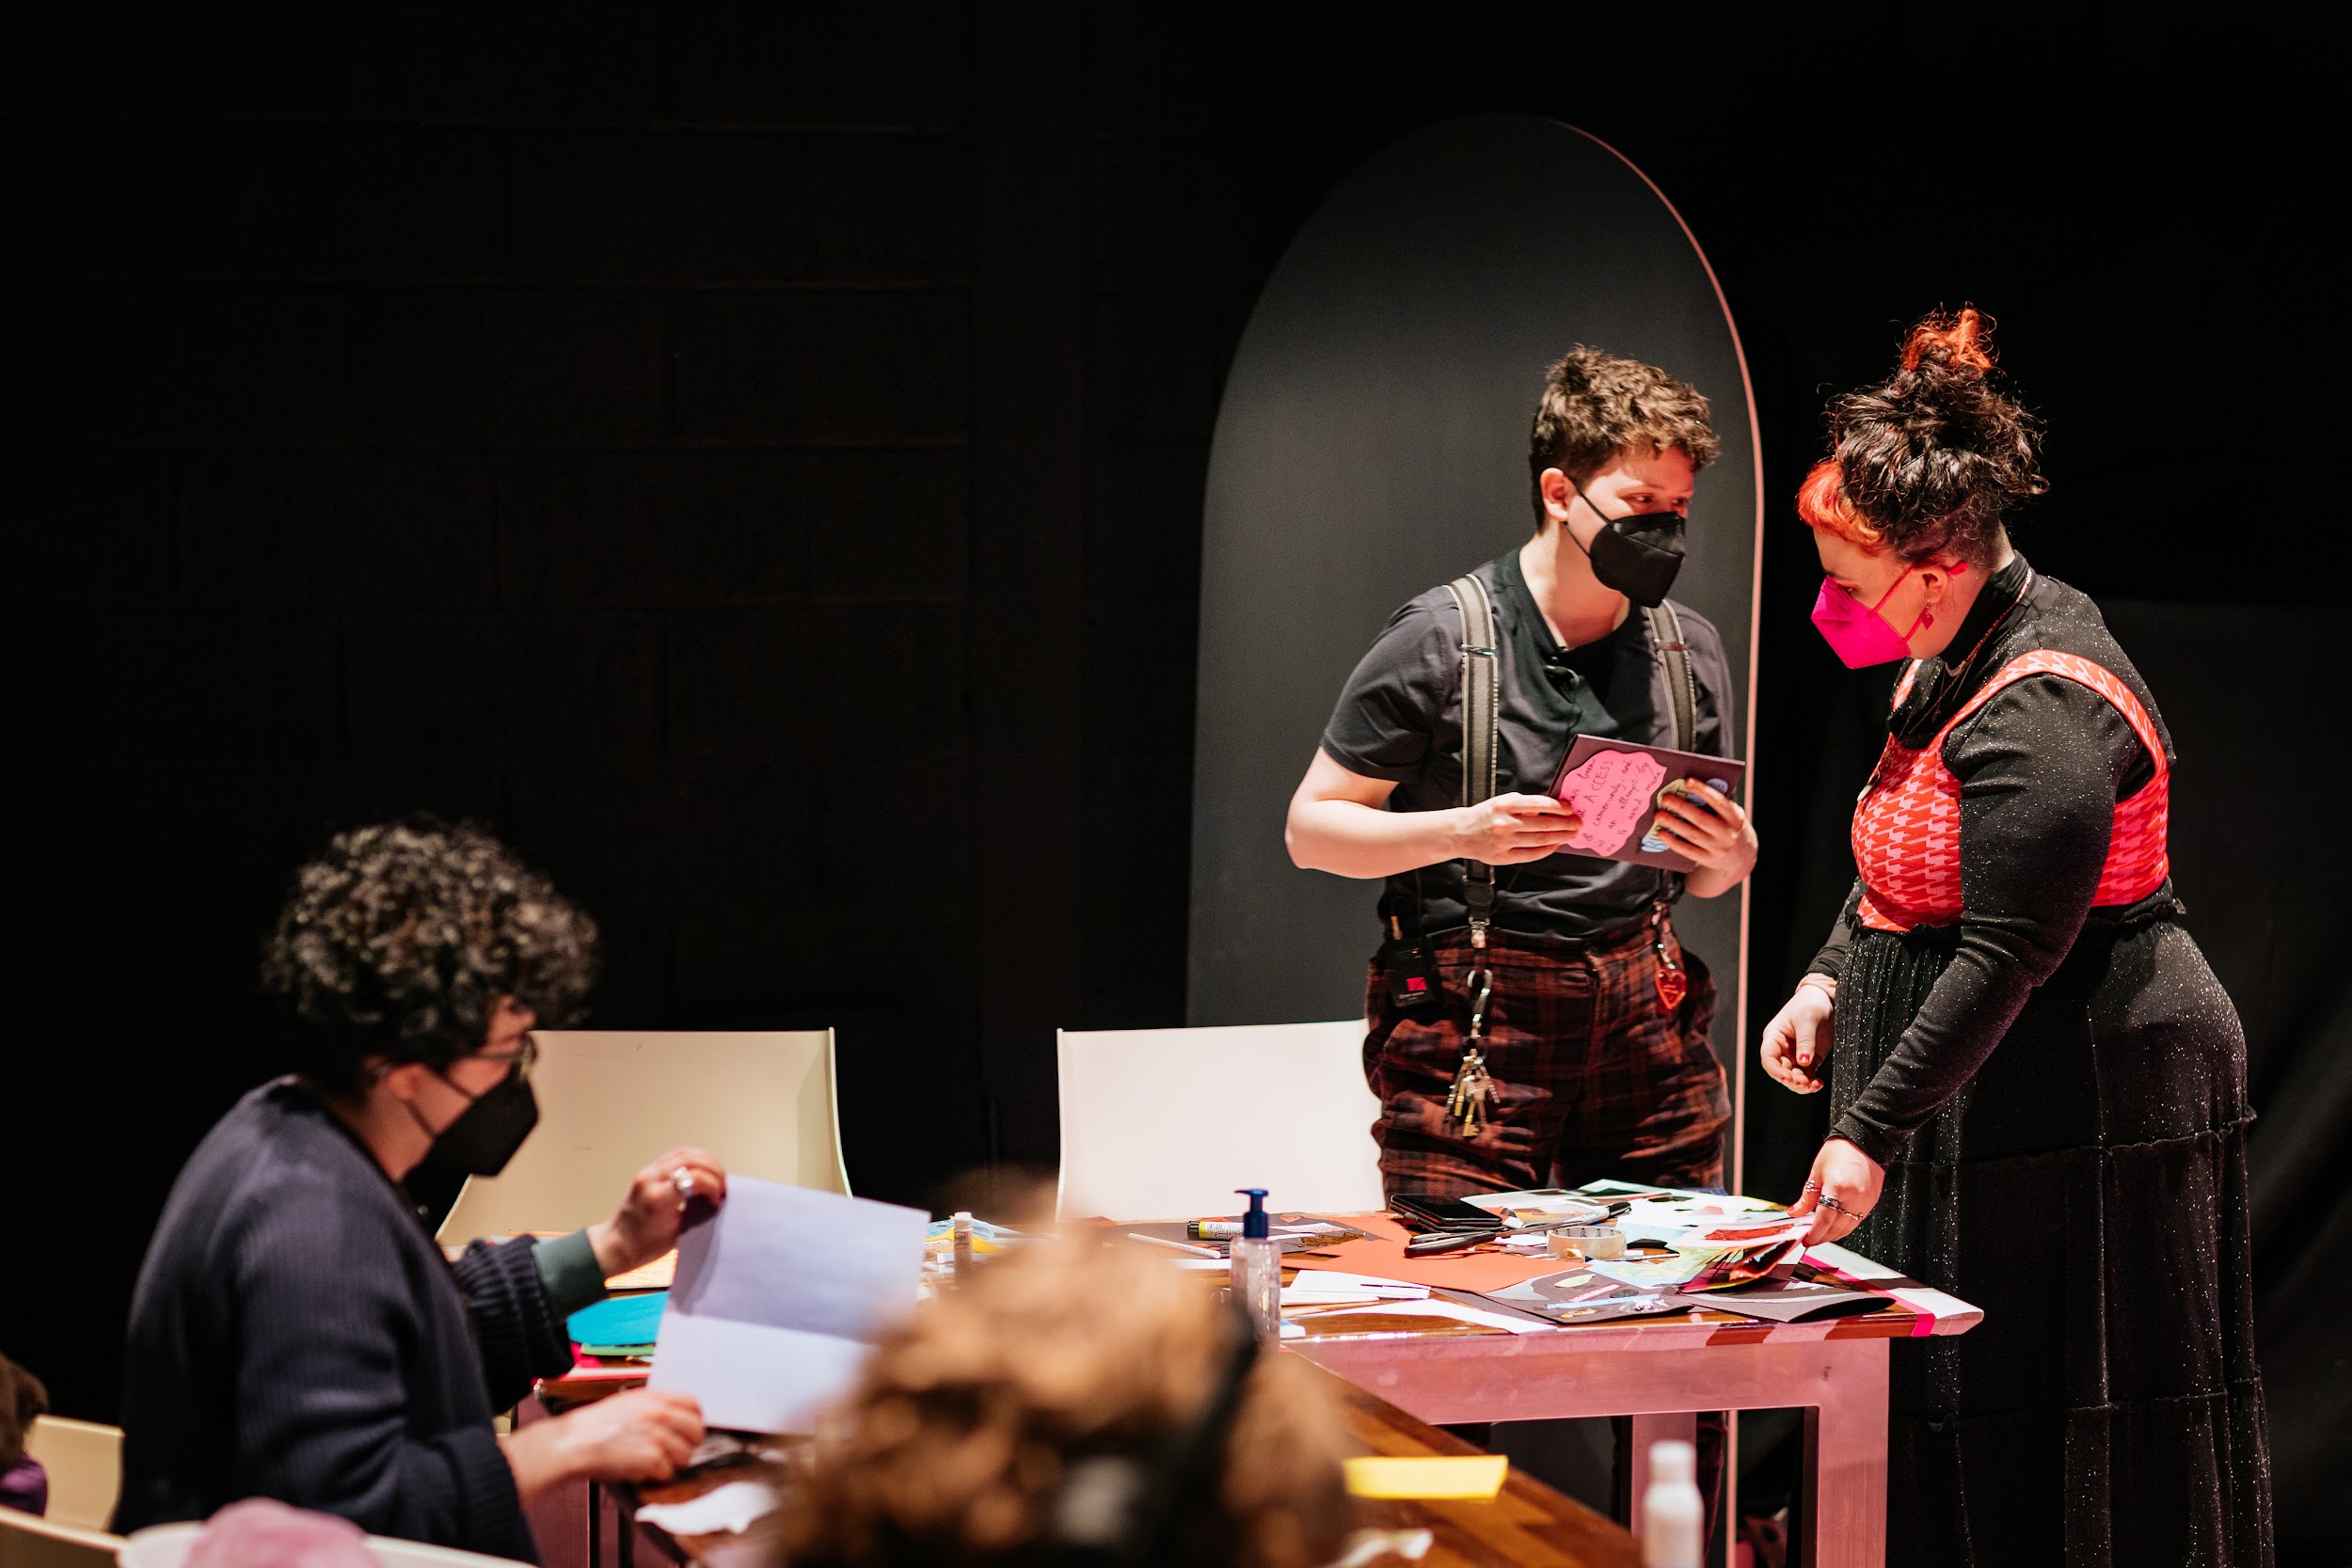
(1592, 1076)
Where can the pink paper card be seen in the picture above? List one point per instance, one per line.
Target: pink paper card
(1615, 786)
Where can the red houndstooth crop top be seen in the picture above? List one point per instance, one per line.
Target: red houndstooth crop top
(1906, 826)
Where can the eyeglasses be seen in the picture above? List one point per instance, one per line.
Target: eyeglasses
(519, 1059)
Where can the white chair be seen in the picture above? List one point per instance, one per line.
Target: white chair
(168, 1546)
(763, 1105)
(30, 1541)
(1160, 1124)
(85, 1463)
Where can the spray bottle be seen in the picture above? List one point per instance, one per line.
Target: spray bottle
(1673, 1515)
(1258, 1267)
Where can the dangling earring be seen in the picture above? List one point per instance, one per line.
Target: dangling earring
(1926, 620)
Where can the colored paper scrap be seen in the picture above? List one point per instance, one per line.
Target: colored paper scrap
(1467, 1475)
(1613, 791)
(619, 1320)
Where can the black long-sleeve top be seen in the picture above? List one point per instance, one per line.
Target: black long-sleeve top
(2040, 767)
(296, 1334)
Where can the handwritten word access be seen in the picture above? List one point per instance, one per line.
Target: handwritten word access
(1613, 791)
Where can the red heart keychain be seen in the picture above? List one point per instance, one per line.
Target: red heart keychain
(1673, 986)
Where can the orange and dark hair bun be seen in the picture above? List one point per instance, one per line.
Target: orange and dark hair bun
(1925, 463)
(1963, 341)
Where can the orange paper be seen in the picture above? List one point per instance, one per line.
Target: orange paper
(1382, 1254)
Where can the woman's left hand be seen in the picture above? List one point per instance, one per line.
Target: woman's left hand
(1712, 832)
(647, 1223)
(1850, 1180)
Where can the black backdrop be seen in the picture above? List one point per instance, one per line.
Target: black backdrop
(754, 461)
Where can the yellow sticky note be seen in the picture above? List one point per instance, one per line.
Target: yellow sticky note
(1468, 1475)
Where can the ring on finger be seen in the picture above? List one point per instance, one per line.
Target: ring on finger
(683, 1180)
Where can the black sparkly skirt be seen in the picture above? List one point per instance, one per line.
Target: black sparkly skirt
(2088, 1190)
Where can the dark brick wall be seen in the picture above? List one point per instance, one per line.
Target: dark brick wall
(753, 458)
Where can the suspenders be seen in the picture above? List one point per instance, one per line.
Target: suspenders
(1482, 718)
(1482, 711)
(1682, 688)
(1466, 1102)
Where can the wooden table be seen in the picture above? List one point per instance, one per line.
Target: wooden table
(1528, 1526)
(1662, 1370)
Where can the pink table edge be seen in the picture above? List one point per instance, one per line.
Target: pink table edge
(1662, 1371)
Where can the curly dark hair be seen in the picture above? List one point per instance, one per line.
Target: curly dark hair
(1929, 459)
(1596, 404)
(400, 940)
(22, 1401)
(971, 1422)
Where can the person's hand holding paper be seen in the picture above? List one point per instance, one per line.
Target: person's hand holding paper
(778, 1298)
(675, 1193)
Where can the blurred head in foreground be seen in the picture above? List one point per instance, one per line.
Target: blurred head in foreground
(1077, 1404)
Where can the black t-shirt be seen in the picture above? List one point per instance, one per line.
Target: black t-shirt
(1400, 719)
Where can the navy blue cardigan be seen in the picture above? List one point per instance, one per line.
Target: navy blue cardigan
(296, 1334)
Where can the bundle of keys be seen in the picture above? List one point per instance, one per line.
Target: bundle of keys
(1466, 1102)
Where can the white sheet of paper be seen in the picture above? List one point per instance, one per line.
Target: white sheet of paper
(1339, 1286)
(731, 1509)
(778, 1298)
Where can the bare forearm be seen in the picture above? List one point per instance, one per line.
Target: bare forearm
(1350, 839)
(1710, 881)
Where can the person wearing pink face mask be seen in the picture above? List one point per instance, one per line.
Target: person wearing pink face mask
(2037, 1088)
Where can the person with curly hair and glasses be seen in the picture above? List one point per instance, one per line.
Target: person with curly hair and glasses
(295, 1332)
(2037, 1088)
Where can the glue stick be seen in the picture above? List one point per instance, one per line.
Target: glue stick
(1258, 1267)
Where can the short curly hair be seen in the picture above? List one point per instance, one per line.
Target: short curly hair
(22, 1401)
(1925, 463)
(400, 940)
(965, 1439)
(1596, 405)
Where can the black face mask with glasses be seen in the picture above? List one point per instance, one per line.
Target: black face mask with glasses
(1637, 554)
(488, 1133)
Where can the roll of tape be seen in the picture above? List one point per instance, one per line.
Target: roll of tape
(1596, 1242)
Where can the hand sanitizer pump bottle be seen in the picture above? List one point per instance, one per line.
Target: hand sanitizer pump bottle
(1673, 1515)
(1258, 1267)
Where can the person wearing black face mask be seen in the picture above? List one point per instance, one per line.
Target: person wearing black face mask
(1545, 989)
(1596, 1030)
(295, 1332)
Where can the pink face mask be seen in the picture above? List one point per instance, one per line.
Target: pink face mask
(1858, 634)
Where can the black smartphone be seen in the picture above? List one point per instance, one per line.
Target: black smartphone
(1435, 1211)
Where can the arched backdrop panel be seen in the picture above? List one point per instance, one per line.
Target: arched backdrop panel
(1372, 444)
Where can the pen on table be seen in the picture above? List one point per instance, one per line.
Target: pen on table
(1446, 1240)
(1180, 1247)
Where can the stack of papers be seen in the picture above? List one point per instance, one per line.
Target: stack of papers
(620, 1328)
(1700, 1251)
